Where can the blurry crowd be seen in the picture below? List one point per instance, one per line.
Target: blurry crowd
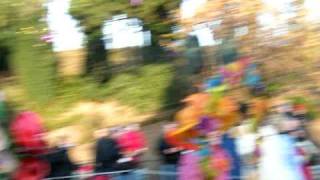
(276, 148)
(214, 137)
(283, 146)
(120, 149)
(279, 149)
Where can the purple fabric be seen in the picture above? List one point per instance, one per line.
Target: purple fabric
(207, 125)
(220, 154)
(189, 167)
(226, 74)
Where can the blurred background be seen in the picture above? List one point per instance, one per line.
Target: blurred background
(84, 65)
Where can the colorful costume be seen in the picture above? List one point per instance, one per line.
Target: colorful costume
(214, 82)
(229, 144)
(221, 163)
(189, 167)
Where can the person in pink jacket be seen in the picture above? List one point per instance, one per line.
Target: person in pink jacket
(132, 144)
(132, 141)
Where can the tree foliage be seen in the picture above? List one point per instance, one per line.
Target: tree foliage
(156, 14)
(30, 59)
(92, 14)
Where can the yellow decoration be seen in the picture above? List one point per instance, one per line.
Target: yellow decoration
(216, 94)
(227, 112)
(188, 116)
(259, 108)
(197, 100)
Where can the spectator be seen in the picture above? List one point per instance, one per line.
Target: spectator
(60, 164)
(7, 161)
(116, 131)
(279, 159)
(31, 169)
(132, 144)
(170, 155)
(107, 152)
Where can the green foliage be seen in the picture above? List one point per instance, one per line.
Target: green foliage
(35, 69)
(31, 60)
(273, 88)
(143, 88)
(298, 100)
(155, 14)
(179, 87)
(93, 13)
(312, 112)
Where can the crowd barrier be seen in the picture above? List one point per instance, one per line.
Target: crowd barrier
(147, 174)
(154, 174)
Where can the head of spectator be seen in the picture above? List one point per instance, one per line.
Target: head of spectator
(132, 127)
(116, 131)
(101, 133)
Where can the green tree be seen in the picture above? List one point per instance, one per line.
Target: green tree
(31, 59)
(156, 15)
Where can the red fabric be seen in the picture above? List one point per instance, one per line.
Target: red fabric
(306, 171)
(85, 169)
(245, 61)
(181, 142)
(299, 108)
(26, 130)
(132, 141)
(31, 169)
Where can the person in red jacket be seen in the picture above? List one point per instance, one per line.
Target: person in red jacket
(27, 133)
(132, 142)
(31, 169)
